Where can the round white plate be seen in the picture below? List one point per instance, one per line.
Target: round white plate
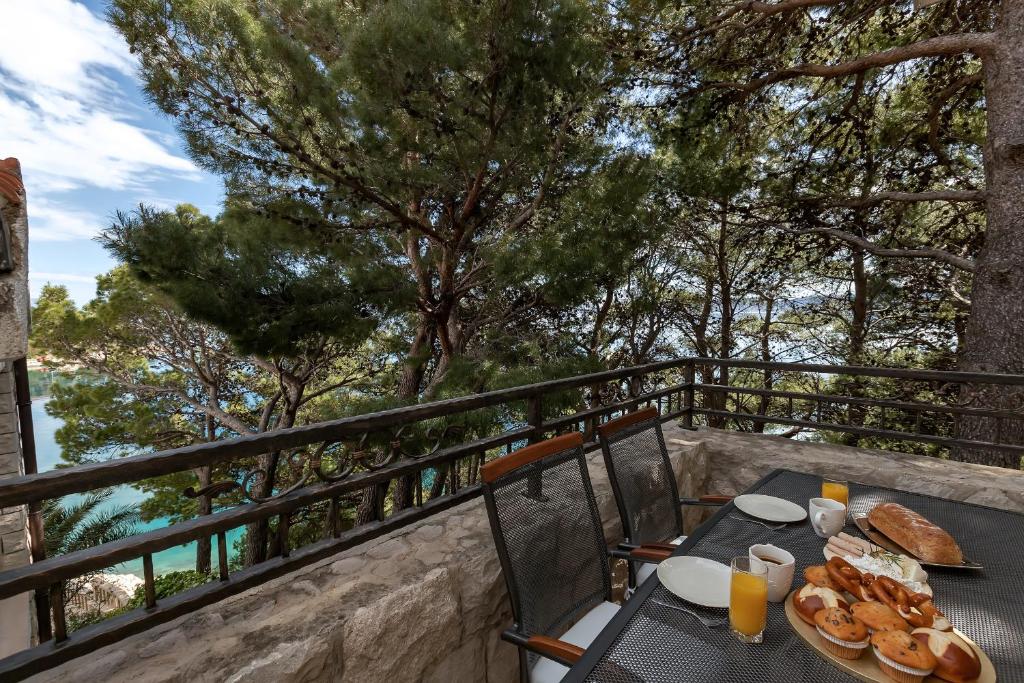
(697, 580)
(769, 508)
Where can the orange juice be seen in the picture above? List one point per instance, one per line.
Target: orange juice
(748, 603)
(837, 491)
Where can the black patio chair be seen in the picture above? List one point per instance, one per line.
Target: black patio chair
(551, 543)
(644, 485)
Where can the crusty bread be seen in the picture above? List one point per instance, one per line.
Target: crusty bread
(923, 539)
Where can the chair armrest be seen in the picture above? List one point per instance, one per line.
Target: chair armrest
(669, 547)
(560, 651)
(706, 501)
(553, 648)
(646, 553)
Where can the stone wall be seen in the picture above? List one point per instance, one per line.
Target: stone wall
(738, 460)
(15, 620)
(14, 297)
(427, 603)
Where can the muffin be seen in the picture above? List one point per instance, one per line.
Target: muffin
(955, 660)
(811, 599)
(879, 617)
(843, 635)
(901, 657)
(818, 575)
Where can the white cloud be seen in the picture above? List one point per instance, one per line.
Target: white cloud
(61, 277)
(55, 222)
(55, 44)
(64, 115)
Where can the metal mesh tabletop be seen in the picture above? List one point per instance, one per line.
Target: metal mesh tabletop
(662, 644)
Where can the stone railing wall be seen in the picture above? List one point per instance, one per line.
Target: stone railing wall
(427, 603)
(738, 460)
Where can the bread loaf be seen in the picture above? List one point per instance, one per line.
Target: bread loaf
(920, 537)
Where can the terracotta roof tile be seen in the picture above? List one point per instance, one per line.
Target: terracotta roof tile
(11, 186)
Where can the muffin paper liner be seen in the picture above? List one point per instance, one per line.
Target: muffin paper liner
(852, 644)
(902, 667)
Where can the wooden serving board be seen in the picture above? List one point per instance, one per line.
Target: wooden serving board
(866, 668)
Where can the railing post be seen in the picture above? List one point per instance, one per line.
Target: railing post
(535, 417)
(635, 389)
(689, 378)
(35, 509)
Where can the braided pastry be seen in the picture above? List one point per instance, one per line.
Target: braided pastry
(916, 608)
(847, 577)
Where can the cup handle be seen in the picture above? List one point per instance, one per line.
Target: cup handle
(816, 520)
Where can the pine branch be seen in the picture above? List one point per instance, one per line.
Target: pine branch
(940, 46)
(908, 197)
(958, 262)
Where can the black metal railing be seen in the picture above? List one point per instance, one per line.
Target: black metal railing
(343, 460)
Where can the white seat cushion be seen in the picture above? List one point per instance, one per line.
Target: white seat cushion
(645, 570)
(582, 633)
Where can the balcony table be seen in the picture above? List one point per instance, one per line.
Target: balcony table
(648, 642)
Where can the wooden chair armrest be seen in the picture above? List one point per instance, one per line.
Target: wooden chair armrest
(720, 500)
(709, 500)
(648, 554)
(556, 649)
(660, 546)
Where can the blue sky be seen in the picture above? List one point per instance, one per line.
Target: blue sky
(73, 112)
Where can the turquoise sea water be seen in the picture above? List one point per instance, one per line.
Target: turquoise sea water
(173, 559)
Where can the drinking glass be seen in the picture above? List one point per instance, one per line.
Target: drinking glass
(748, 599)
(837, 490)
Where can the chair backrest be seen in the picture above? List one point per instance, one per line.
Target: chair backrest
(642, 478)
(548, 532)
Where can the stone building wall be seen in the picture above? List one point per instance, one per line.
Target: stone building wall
(424, 604)
(14, 612)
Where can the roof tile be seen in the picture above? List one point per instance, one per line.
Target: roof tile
(11, 186)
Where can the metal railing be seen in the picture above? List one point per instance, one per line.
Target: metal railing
(345, 460)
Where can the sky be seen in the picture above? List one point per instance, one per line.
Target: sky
(73, 111)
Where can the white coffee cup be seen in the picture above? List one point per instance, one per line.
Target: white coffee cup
(780, 565)
(828, 517)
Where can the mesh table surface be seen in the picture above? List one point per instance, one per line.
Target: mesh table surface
(661, 644)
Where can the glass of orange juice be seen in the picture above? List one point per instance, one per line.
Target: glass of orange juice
(837, 490)
(748, 599)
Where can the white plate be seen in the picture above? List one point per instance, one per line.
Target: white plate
(697, 580)
(769, 508)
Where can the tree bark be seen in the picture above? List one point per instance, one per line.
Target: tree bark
(995, 331)
(203, 545)
(858, 334)
(257, 533)
(767, 376)
(719, 399)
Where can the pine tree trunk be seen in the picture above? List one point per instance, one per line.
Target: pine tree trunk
(205, 503)
(995, 332)
(858, 339)
(258, 533)
(203, 545)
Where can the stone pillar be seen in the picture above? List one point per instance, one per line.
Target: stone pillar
(15, 613)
